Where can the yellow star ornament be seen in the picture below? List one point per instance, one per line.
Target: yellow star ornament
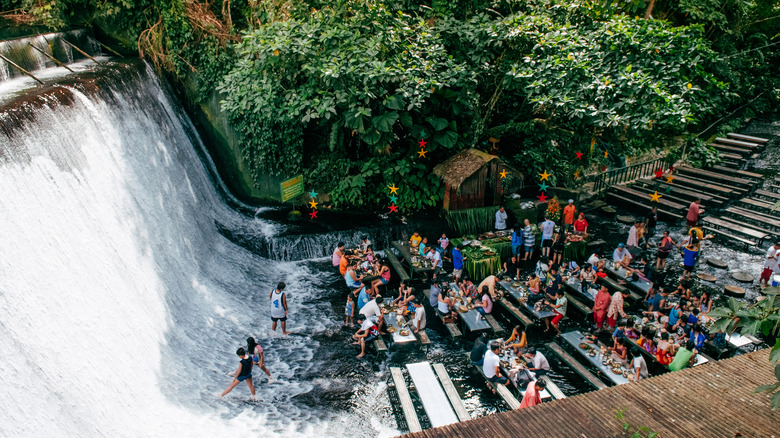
(393, 188)
(655, 197)
(421, 153)
(576, 174)
(606, 154)
(669, 179)
(503, 173)
(313, 204)
(544, 175)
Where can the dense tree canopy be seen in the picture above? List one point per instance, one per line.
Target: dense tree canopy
(344, 90)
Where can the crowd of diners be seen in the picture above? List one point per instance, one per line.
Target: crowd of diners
(679, 315)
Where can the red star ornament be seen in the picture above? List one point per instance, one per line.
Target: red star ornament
(671, 168)
(393, 208)
(313, 214)
(579, 155)
(422, 143)
(659, 173)
(542, 198)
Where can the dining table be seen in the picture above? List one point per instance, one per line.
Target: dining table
(391, 321)
(520, 294)
(517, 369)
(576, 338)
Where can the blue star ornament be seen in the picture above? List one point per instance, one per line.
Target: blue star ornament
(313, 194)
(393, 199)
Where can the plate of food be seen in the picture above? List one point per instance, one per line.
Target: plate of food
(604, 362)
(617, 371)
(404, 332)
(392, 329)
(489, 253)
(385, 311)
(591, 353)
(584, 346)
(504, 364)
(463, 309)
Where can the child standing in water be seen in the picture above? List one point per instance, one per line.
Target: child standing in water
(348, 311)
(243, 373)
(256, 351)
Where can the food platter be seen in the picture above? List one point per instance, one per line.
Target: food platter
(391, 329)
(463, 309)
(404, 332)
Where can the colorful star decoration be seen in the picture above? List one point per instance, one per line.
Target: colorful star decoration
(503, 173)
(579, 155)
(393, 199)
(669, 179)
(659, 173)
(421, 153)
(313, 204)
(671, 169)
(393, 188)
(422, 143)
(393, 208)
(542, 197)
(606, 154)
(576, 174)
(544, 175)
(543, 187)
(655, 197)
(668, 189)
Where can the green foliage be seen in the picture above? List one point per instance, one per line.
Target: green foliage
(697, 153)
(628, 428)
(761, 317)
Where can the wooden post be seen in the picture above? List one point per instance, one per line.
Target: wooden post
(21, 69)
(80, 51)
(56, 61)
(110, 49)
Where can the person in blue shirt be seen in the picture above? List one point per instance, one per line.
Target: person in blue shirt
(363, 298)
(457, 263)
(697, 336)
(517, 240)
(690, 253)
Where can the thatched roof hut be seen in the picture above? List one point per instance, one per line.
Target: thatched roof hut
(472, 179)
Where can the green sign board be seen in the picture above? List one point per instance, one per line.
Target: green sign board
(292, 188)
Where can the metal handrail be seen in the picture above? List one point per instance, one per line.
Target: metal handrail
(630, 173)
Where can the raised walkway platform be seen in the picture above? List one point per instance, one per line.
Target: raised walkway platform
(716, 400)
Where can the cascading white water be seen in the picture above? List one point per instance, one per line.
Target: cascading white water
(121, 305)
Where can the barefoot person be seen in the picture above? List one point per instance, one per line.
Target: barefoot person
(256, 351)
(244, 372)
(279, 307)
(367, 333)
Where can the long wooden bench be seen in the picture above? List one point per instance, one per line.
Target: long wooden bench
(730, 180)
(453, 329)
(425, 341)
(407, 407)
(578, 367)
(586, 310)
(738, 225)
(683, 193)
(747, 138)
(737, 172)
(730, 236)
(514, 311)
(662, 212)
(452, 394)
(733, 188)
(730, 149)
(732, 226)
(753, 215)
(627, 192)
(395, 263)
(767, 195)
(740, 143)
(433, 397)
(494, 325)
(703, 186)
(765, 207)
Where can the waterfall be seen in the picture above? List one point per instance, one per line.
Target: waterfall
(123, 301)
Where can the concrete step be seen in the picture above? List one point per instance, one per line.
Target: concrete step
(747, 138)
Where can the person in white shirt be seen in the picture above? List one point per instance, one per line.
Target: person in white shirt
(638, 364)
(539, 364)
(419, 316)
(372, 312)
(491, 365)
(770, 264)
(364, 243)
(501, 218)
(622, 256)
